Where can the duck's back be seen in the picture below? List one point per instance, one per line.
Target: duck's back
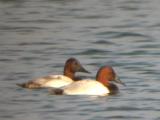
(85, 87)
(55, 81)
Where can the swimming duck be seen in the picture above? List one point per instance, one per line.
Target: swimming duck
(72, 66)
(101, 86)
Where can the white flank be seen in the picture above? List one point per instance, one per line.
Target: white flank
(55, 81)
(86, 87)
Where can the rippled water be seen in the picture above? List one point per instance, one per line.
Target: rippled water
(37, 36)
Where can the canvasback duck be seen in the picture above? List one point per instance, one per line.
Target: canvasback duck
(72, 66)
(101, 86)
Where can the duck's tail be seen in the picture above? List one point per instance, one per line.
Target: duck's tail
(23, 85)
(56, 91)
(29, 85)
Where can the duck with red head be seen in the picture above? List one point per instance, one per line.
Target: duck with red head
(106, 75)
(101, 86)
(72, 66)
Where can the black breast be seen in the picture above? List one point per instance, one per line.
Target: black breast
(77, 78)
(113, 89)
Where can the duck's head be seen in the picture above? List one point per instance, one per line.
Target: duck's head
(106, 74)
(73, 65)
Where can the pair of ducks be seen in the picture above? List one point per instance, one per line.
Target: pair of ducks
(69, 84)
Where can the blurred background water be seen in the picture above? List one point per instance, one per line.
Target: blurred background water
(37, 36)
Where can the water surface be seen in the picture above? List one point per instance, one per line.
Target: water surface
(37, 36)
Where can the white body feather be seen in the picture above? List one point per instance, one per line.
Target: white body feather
(86, 87)
(55, 81)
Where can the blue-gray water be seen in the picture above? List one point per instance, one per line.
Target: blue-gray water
(37, 36)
